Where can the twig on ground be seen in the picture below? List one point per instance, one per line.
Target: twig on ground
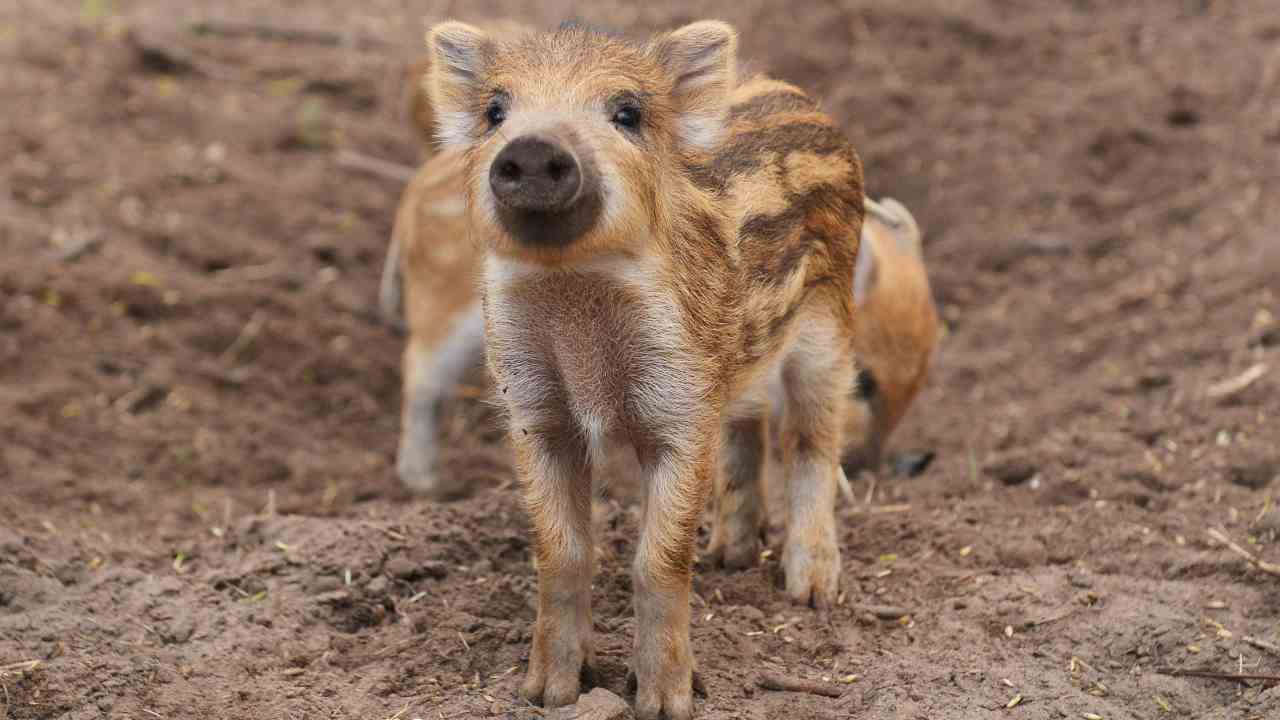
(883, 612)
(246, 336)
(76, 246)
(24, 666)
(1254, 560)
(374, 166)
(279, 33)
(1262, 644)
(1233, 386)
(883, 509)
(1239, 677)
(784, 683)
(1051, 619)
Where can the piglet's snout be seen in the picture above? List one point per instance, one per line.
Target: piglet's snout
(536, 174)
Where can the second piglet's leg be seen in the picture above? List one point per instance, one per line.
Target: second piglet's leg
(739, 497)
(556, 477)
(429, 376)
(674, 499)
(811, 445)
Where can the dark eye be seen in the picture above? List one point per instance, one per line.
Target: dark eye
(627, 116)
(495, 113)
(865, 385)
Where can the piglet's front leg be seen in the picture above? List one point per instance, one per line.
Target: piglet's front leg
(556, 478)
(674, 496)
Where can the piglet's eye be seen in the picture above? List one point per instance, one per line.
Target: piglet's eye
(627, 116)
(495, 114)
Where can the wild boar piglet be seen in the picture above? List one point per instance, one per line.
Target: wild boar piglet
(661, 242)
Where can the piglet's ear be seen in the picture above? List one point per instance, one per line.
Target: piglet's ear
(458, 51)
(865, 273)
(702, 57)
(459, 54)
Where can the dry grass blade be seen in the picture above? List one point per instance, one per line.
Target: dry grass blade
(25, 666)
(882, 509)
(1262, 645)
(846, 490)
(1233, 386)
(1254, 560)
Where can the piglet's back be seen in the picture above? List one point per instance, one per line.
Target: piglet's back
(793, 182)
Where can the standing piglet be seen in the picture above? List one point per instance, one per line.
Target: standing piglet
(660, 242)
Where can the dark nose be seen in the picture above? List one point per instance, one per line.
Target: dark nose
(536, 174)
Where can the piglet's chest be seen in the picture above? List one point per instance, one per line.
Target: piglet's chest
(589, 348)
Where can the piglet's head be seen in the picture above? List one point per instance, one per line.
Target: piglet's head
(577, 142)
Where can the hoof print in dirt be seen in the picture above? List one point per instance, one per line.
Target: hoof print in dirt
(350, 613)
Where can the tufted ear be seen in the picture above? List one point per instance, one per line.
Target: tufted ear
(702, 57)
(458, 50)
(459, 55)
(865, 272)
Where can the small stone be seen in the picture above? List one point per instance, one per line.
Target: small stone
(599, 704)
(402, 568)
(377, 586)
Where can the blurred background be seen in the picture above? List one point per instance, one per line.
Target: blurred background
(195, 202)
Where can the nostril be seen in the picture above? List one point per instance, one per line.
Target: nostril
(558, 168)
(509, 170)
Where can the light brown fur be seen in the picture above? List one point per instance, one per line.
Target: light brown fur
(662, 323)
(897, 329)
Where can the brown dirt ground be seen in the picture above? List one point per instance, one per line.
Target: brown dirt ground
(186, 339)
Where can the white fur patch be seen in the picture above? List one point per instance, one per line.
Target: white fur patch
(453, 128)
(702, 132)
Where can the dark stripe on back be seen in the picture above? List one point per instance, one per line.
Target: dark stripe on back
(771, 103)
(746, 151)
